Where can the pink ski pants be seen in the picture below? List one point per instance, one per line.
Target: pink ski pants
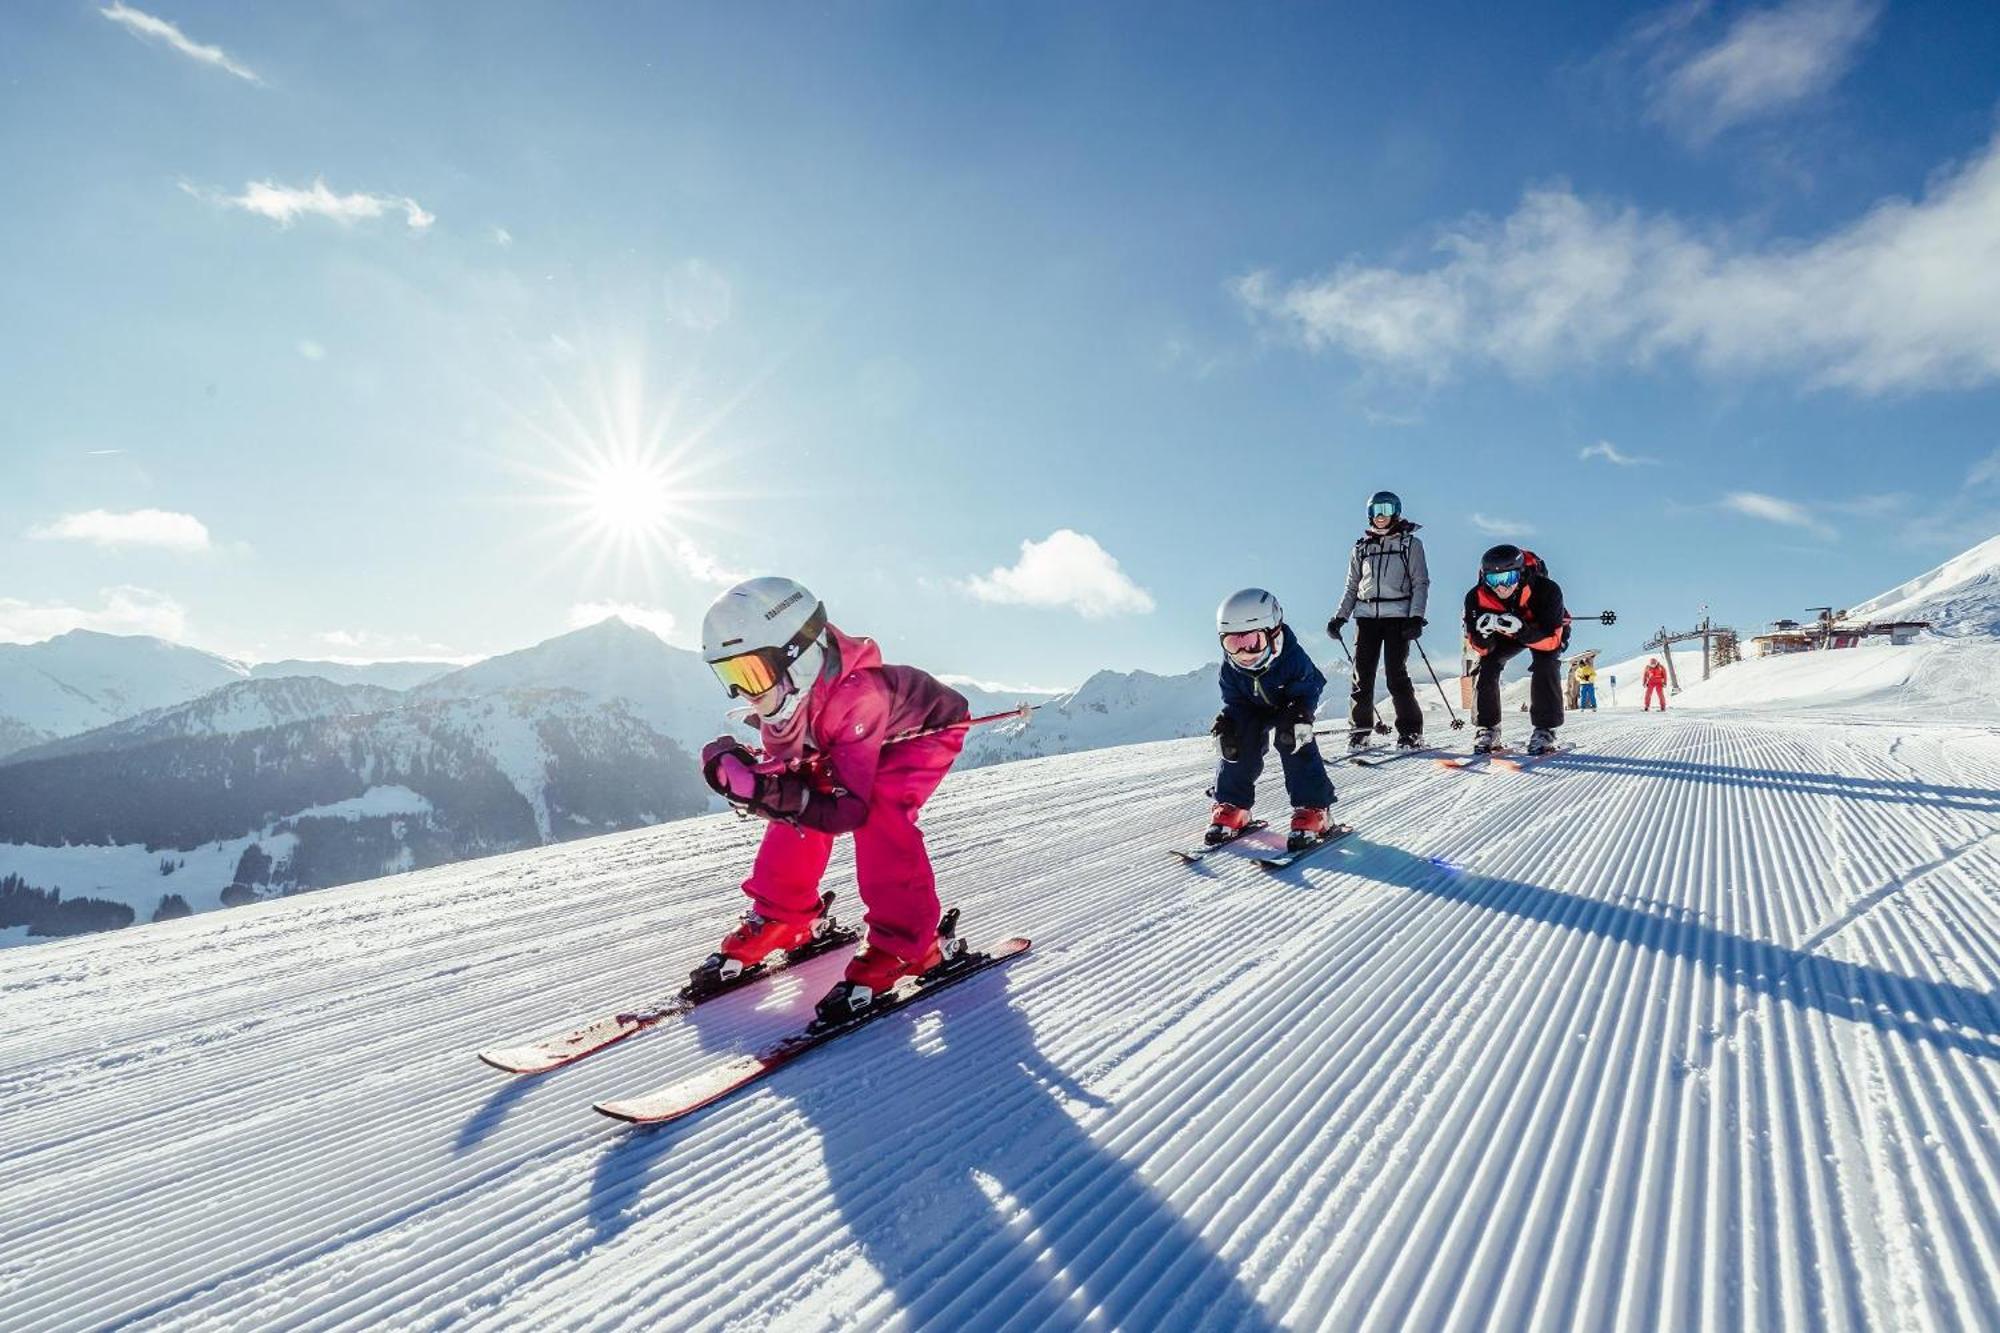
(898, 888)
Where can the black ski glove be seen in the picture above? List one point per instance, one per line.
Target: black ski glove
(1335, 626)
(1294, 729)
(1226, 738)
(1413, 628)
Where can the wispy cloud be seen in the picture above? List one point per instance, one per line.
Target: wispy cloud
(286, 204)
(1985, 471)
(657, 619)
(698, 296)
(1772, 509)
(1768, 61)
(360, 646)
(1067, 569)
(147, 26)
(124, 610)
(135, 527)
(311, 350)
(1906, 297)
(1610, 453)
(1502, 527)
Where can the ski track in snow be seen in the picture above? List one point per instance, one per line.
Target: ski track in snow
(1695, 1028)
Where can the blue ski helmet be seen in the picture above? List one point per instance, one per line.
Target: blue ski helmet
(1385, 502)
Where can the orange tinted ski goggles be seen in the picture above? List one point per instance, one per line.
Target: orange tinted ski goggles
(760, 669)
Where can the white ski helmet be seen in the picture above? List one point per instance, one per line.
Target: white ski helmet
(763, 633)
(1246, 612)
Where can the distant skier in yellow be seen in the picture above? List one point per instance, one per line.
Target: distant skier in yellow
(1586, 685)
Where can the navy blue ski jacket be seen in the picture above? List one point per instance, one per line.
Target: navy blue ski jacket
(1292, 680)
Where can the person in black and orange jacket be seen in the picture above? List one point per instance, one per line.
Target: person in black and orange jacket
(1516, 607)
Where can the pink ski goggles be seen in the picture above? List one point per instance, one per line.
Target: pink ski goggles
(1248, 641)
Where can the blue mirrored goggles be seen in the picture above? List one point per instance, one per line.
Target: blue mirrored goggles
(1382, 511)
(1502, 578)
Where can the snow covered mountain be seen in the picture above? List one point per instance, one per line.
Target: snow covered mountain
(1698, 1029)
(1961, 597)
(386, 675)
(670, 688)
(83, 679)
(214, 818)
(245, 705)
(1111, 708)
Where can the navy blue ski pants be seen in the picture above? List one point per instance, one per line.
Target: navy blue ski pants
(1306, 780)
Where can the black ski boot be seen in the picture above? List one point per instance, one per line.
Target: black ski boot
(1542, 741)
(1486, 740)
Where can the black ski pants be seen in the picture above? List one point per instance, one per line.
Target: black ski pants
(1381, 637)
(1545, 691)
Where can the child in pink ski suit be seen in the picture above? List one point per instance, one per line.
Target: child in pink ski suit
(833, 765)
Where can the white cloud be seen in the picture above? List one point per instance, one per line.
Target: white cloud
(502, 237)
(699, 296)
(1769, 61)
(286, 204)
(1905, 297)
(1610, 453)
(158, 29)
(311, 350)
(1502, 527)
(702, 567)
(125, 610)
(661, 622)
(1985, 471)
(1067, 569)
(1771, 509)
(136, 527)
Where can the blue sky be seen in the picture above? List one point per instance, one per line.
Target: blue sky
(373, 330)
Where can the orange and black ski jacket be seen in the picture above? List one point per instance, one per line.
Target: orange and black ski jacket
(1544, 622)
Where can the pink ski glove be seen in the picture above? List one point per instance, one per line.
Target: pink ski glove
(735, 779)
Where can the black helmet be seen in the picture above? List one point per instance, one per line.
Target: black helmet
(1502, 557)
(1390, 498)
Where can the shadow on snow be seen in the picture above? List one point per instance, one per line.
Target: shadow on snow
(968, 1187)
(1930, 1011)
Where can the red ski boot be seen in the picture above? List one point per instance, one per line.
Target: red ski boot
(873, 971)
(755, 939)
(1310, 823)
(1226, 821)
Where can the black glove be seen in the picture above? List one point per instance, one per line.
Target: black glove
(1413, 628)
(1294, 730)
(1226, 738)
(1335, 626)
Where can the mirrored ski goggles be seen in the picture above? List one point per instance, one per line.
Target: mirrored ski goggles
(1382, 510)
(759, 669)
(751, 673)
(1247, 641)
(1503, 578)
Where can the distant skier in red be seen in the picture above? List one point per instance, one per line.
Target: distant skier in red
(829, 712)
(1655, 680)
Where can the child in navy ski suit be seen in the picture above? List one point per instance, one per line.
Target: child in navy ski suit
(1267, 695)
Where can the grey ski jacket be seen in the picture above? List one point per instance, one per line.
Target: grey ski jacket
(1386, 575)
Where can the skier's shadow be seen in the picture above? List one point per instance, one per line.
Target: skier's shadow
(1796, 782)
(974, 1194)
(1939, 1013)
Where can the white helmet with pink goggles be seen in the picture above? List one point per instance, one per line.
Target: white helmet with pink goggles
(1248, 622)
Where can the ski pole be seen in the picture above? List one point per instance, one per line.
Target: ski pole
(1457, 722)
(1025, 712)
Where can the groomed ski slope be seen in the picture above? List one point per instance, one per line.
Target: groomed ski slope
(1697, 1029)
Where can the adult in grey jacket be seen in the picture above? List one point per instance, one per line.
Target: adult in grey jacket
(1388, 585)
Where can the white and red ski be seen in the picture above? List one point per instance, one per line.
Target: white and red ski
(562, 1048)
(709, 1086)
